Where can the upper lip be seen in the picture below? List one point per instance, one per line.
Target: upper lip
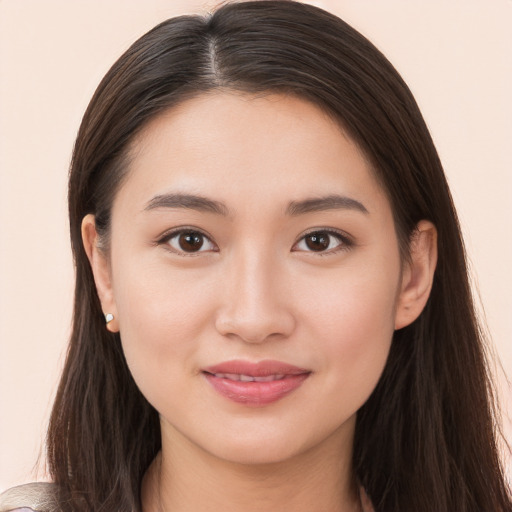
(260, 369)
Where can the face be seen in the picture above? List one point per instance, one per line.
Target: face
(254, 274)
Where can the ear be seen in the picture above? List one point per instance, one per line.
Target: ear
(101, 270)
(417, 275)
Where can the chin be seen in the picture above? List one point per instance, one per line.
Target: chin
(264, 453)
(268, 445)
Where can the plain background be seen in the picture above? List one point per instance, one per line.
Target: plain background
(455, 56)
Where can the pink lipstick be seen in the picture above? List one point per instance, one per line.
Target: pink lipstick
(255, 384)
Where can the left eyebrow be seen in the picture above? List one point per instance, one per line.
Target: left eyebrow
(331, 202)
(187, 201)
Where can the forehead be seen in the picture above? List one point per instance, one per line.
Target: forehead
(247, 150)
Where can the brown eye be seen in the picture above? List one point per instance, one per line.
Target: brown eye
(317, 241)
(323, 241)
(189, 242)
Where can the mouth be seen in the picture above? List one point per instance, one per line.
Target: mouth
(255, 384)
(248, 378)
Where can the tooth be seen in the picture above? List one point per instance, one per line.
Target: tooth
(250, 378)
(268, 378)
(230, 376)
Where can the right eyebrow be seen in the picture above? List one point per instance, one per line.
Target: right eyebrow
(189, 201)
(331, 202)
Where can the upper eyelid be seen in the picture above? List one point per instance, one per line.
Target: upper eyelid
(346, 241)
(163, 240)
(330, 231)
(182, 229)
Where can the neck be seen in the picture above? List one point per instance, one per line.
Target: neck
(183, 477)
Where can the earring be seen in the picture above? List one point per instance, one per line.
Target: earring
(109, 317)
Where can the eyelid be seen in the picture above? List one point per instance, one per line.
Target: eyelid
(171, 233)
(346, 241)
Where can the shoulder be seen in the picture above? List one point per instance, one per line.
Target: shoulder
(34, 497)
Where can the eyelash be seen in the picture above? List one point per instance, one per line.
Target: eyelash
(167, 237)
(345, 242)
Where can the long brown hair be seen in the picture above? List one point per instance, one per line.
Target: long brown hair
(426, 438)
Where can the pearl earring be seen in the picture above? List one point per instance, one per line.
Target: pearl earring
(109, 317)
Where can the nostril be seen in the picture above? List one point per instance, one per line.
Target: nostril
(256, 329)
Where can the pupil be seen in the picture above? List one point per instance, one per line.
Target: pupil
(317, 241)
(191, 242)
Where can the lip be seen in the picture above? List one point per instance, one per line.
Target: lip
(275, 380)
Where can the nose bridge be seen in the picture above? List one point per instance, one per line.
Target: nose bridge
(254, 307)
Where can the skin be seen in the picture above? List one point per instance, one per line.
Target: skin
(255, 290)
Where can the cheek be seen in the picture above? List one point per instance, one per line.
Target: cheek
(161, 315)
(352, 323)
(353, 305)
(153, 296)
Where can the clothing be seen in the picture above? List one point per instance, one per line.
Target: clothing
(34, 497)
(40, 497)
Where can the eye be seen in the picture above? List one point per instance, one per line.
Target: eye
(188, 241)
(323, 241)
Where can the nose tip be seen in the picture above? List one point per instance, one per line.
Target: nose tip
(255, 311)
(254, 330)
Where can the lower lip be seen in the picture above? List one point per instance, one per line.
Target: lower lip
(256, 393)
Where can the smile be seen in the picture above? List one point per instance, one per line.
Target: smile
(255, 384)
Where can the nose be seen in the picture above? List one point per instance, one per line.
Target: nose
(255, 303)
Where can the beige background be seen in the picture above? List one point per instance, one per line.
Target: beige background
(455, 55)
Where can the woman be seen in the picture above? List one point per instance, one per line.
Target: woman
(260, 217)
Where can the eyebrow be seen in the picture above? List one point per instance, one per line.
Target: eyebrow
(295, 208)
(331, 202)
(189, 201)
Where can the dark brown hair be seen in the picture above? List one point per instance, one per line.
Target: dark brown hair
(426, 438)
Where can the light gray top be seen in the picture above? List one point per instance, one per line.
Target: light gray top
(34, 497)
